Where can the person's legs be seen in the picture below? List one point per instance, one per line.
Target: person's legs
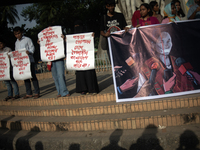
(34, 79)
(9, 88)
(15, 85)
(28, 87)
(61, 78)
(54, 74)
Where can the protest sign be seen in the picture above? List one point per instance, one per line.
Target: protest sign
(21, 64)
(4, 66)
(51, 44)
(156, 61)
(80, 51)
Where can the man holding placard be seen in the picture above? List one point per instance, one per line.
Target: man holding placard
(52, 51)
(24, 42)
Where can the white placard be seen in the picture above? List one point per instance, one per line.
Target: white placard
(21, 65)
(51, 44)
(80, 51)
(4, 66)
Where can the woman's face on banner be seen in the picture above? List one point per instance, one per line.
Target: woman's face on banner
(164, 42)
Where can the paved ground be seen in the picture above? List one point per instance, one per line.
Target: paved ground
(48, 89)
(171, 138)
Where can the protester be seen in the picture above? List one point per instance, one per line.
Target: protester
(24, 42)
(58, 73)
(112, 21)
(86, 80)
(155, 9)
(170, 13)
(194, 11)
(179, 10)
(12, 82)
(145, 19)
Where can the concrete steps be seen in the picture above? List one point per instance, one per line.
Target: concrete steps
(98, 112)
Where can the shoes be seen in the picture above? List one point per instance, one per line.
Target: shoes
(36, 96)
(94, 93)
(15, 97)
(27, 96)
(58, 96)
(7, 98)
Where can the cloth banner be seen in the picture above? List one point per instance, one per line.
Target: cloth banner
(51, 44)
(4, 66)
(80, 51)
(156, 61)
(21, 64)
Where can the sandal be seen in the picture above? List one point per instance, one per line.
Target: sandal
(27, 96)
(67, 95)
(16, 97)
(36, 96)
(7, 98)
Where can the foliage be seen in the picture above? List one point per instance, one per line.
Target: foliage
(8, 15)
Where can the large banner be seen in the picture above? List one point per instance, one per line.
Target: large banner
(4, 66)
(156, 61)
(21, 65)
(80, 51)
(51, 44)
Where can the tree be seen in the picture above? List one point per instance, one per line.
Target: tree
(8, 15)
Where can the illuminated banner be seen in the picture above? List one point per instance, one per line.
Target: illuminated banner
(51, 44)
(80, 51)
(156, 61)
(21, 65)
(4, 66)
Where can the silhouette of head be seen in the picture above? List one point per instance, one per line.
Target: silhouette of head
(115, 136)
(188, 140)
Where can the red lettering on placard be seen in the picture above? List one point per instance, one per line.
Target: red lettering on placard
(82, 41)
(2, 76)
(2, 71)
(51, 49)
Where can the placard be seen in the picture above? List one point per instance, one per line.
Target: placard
(4, 66)
(80, 51)
(51, 44)
(21, 65)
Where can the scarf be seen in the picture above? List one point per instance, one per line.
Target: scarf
(168, 13)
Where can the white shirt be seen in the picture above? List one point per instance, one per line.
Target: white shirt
(26, 43)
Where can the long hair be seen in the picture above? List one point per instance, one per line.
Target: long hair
(147, 6)
(180, 12)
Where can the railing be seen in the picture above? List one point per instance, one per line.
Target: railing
(102, 63)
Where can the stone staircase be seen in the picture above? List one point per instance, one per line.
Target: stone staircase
(97, 113)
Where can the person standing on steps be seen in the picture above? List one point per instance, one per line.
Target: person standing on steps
(112, 21)
(12, 82)
(24, 42)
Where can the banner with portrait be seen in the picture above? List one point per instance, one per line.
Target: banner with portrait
(21, 64)
(80, 51)
(4, 66)
(156, 61)
(51, 44)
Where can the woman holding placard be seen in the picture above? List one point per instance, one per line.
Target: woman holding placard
(86, 80)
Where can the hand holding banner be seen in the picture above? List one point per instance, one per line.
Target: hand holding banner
(51, 44)
(4, 66)
(21, 65)
(80, 51)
